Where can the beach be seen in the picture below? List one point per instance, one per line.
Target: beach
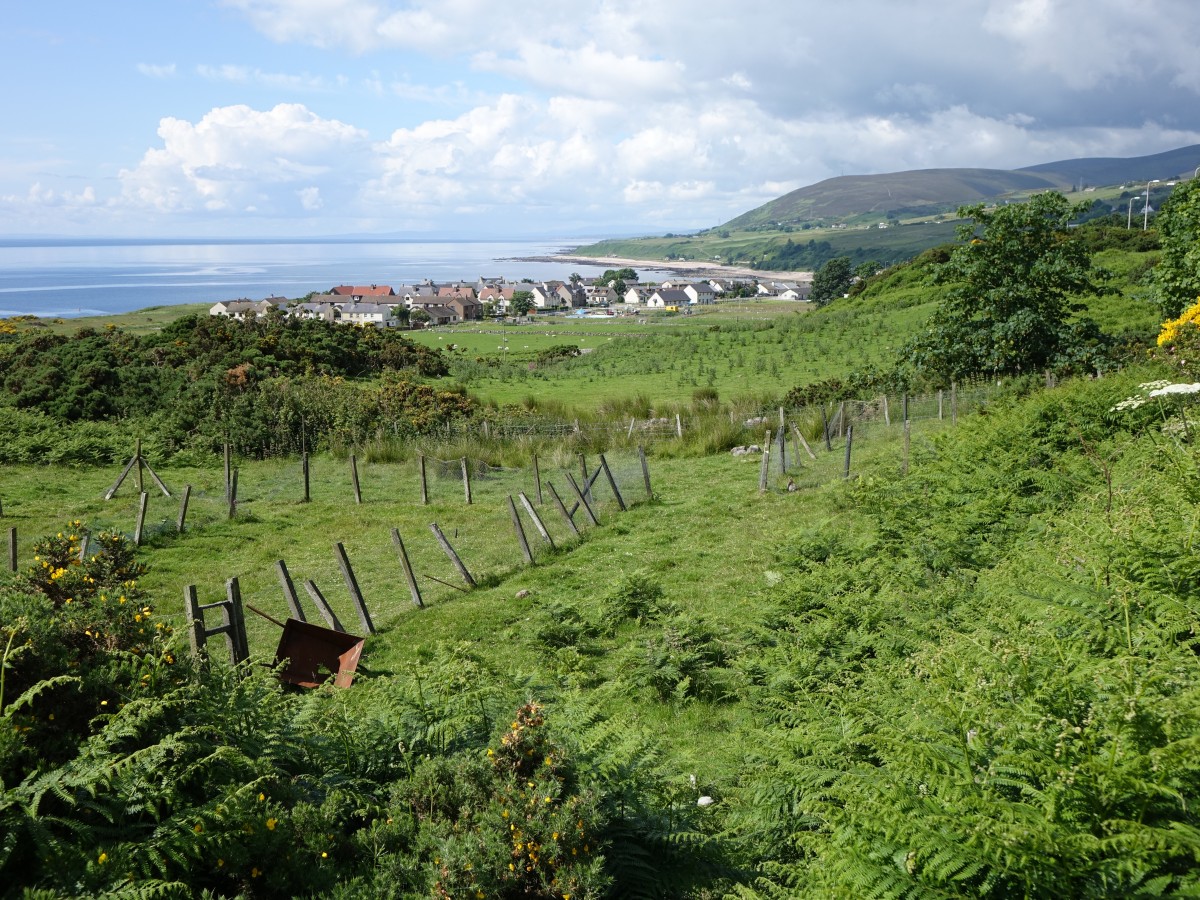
(691, 268)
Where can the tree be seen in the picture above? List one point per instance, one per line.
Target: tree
(617, 278)
(1177, 275)
(1009, 308)
(419, 317)
(522, 302)
(832, 280)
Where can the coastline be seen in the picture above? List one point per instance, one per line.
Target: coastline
(685, 267)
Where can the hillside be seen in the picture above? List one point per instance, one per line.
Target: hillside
(928, 192)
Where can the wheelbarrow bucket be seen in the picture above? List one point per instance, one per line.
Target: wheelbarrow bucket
(307, 652)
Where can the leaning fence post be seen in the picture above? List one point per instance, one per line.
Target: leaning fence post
(803, 442)
(520, 530)
(562, 507)
(289, 590)
(411, 578)
(458, 563)
(645, 471)
(235, 619)
(587, 507)
(537, 520)
(354, 478)
(537, 479)
(143, 501)
(233, 484)
(183, 505)
(360, 605)
(323, 606)
(612, 482)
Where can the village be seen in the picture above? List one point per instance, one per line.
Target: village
(430, 304)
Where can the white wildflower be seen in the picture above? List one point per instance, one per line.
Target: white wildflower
(705, 801)
(1193, 388)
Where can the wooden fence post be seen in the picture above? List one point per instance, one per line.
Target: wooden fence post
(183, 505)
(612, 483)
(587, 507)
(780, 439)
(424, 483)
(645, 471)
(466, 475)
(323, 606)
(537, 479)
(520, 530)
(233, 485)
(305, 473)
(413, 589)
(907, 437)
(849, 444)
(228, 470)
(766, 463)
(887, 416)
(289, 591)
(137, 454)
(562, 508)
(940, 407)
(803, 442)
(825, 424)
(354, 479)
(233, 616)
(12, 549)
(678, 426)
(841, 417)
(537, 520)
(360, 605)
(143, 501)
(458, 563)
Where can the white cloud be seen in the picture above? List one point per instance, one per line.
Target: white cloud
(150, 70)
(279, 80)
(237, 158)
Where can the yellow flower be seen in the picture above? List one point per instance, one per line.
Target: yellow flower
(198, 828)
(271, 824)
(102, 858)
(324, 855)
(261, 797)
(220, 863)
(254, 873)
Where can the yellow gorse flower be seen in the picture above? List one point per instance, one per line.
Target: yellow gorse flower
(1172, 327)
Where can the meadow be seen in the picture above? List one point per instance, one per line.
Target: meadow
(966, 669)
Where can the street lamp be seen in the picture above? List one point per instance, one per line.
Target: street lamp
(1129, 213)
(1146, 211)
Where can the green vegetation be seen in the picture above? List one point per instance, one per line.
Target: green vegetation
(1177, 275)
(967, 670)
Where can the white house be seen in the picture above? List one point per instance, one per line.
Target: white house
(699, 293)
(379, 315)
(668, 297)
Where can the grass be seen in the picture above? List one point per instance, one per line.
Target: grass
(708, 537)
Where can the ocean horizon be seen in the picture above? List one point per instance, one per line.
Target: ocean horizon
(61, 277)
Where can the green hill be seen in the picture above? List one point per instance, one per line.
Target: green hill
(854, 199)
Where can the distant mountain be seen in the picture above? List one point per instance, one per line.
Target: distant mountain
(855, 199)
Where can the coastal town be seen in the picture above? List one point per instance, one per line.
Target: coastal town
(432, 304)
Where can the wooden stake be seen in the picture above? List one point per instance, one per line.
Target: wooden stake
(137, 454)
(780, 439)
(907, 437)
(841, 418)
(424, 483)
(629, 433)
(645, 471)
(289, 591)
(762, 470)
(233, 494)
(305, 473)
(112, 491)
(458, 563)
(154, 475)
(235, 619)
(12, 549)
(354, 479)
(409, 576)
(466, 473)
(183, 505)
(803, 442)
(562, 508)
(678, 426)
(587, 508)
(612, 483)
(537, 520)
(143, 501)
(825, 423)
(360, 605)
(537, 480)
(520, 530)
(849, 444)
(887, 416)
(940, 395)
(323, 606)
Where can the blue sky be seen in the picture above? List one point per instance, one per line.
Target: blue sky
(475, 118)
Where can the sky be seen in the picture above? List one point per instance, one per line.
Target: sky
(491, 118)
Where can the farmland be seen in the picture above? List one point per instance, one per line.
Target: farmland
(962, 665)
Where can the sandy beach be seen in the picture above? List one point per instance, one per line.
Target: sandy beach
(692, 268)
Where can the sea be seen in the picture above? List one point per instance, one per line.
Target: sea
(67, 277)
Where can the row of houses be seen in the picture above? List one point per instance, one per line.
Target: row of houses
(384, 306)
